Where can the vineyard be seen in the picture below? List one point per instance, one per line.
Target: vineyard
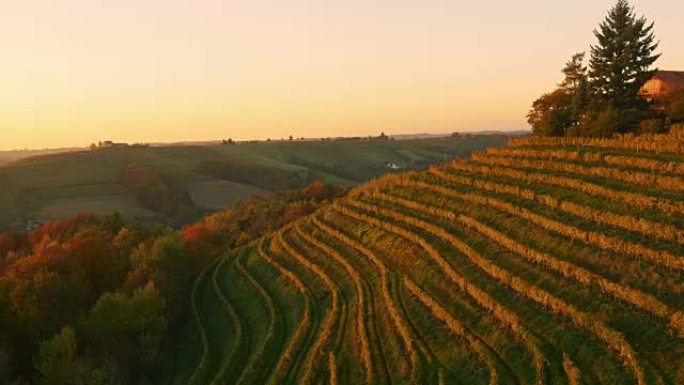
(549, 261)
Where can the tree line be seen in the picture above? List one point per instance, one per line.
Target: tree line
(79, 297)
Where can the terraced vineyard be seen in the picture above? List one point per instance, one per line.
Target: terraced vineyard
(550, 261)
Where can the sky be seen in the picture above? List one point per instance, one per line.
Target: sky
(73, 72)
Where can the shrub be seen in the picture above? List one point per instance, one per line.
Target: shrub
(651, 126)
(602, 122)
(675, 108)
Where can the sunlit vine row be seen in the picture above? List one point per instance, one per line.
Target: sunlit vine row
(288, 355)
(641, 201)
(259, 363)
(392, 307)
(628, 294)
(612, 338)
(316, 352)
(332, 368)
(456, 327)
(507, 317)
(361, 296)
(201, 366)
(603, 241)
(665, 182)
(641, 163)
(627, 222)
(241, 337)
(673, 143)
(571, 371)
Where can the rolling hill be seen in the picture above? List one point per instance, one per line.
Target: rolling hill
(549, 261)
(177, 184)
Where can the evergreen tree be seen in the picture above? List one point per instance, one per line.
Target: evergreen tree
(621, 62)
(576, 84)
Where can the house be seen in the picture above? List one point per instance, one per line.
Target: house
(33, 224)
(110, 144)
(662, 84)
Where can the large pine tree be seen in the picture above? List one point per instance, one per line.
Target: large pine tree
(622, 60)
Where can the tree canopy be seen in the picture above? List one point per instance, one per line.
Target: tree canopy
(622, 60)
(603, 98)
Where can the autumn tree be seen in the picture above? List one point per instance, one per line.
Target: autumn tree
(552, 113)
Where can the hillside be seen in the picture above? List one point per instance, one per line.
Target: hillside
(550, 261)
(176, 184)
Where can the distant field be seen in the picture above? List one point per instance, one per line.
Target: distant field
(220, 194)
(98, 204)
(68, 183)
(14, 155)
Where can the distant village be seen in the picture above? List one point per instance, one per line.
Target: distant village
(108, 144)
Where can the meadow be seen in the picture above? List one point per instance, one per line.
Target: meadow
(549, 261)
(193, 180)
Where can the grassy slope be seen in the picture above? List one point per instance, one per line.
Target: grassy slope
(69, 183)
(487, 272)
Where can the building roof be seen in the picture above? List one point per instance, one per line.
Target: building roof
(672, 78)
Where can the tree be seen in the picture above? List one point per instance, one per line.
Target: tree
(122, 326)
(576, 83)
(168, 265)
(551, 114)
(621, 61)
(5, 364)
(602, 122)
(57, 362)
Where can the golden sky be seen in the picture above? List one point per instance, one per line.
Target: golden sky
(74, 72)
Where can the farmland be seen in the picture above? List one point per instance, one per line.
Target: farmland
(177, 184)
(549, 261)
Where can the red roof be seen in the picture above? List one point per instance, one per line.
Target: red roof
(674, 79)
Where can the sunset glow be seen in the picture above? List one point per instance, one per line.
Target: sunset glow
(75, 71)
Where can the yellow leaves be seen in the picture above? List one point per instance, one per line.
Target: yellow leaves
(645, 164)
(332, 368)
(672, 143)
(392, 307)
(677, 323)
(507, 317)
(640, 201)
(640, 225)
(571, 371)
(606, 242)
(612, 338)
(625, 161)
(672, 183)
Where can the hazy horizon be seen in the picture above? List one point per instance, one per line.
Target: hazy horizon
(77, 71)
